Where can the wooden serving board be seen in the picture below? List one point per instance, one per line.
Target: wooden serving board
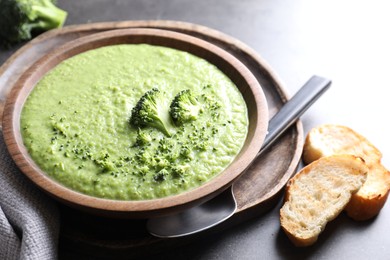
(257, 191)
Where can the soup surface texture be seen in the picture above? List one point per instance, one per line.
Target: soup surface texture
(76, 123)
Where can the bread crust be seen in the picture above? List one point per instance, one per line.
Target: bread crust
(317, 194)
(372, 196)
(331, 139)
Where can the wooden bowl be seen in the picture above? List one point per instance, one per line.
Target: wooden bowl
(232, 67)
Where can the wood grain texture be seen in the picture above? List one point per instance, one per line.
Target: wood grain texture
(256, 191)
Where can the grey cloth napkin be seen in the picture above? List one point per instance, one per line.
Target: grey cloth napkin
(29, 219)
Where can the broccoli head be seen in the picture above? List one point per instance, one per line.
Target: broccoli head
(149, 111)
(180, 170)
(161, 175)
(19, 19)
(143, 138)
(185, 107)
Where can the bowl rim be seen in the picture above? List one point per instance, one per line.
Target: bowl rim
(137, 208)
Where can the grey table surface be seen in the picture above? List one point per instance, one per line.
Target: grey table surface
(347, 41)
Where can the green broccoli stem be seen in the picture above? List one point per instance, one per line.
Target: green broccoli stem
(49, 17)
(163, 125)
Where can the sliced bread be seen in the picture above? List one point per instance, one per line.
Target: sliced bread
(372, 196)
(317, 194)
(331, 139)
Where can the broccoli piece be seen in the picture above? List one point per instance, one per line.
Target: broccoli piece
(143, 138)
(144, 156)
(211, 105)
(186, 152)
(149, 112)
(184, 107)
(161, 175)
(180, 170)
(19, 19)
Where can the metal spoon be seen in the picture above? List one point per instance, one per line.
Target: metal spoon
(223, 206)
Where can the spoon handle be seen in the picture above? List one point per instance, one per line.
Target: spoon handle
(294, 108)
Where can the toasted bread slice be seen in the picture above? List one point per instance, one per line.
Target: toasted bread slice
(372, 196)
(330, 139)
(317, 194)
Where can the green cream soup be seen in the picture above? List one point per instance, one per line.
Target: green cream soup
(76, 123)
